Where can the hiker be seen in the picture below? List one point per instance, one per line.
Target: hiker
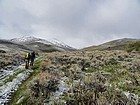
(27, 60)
(32, 58)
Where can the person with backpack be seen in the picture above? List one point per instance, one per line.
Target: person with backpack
(27, 60)
(32, 58)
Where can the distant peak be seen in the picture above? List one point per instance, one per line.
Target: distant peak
(32, 39)
(59, 43)
(24, 39)
(27, 37)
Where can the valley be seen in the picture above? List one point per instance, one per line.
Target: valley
(103, 75)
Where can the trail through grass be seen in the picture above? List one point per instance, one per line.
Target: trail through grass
(21, 95)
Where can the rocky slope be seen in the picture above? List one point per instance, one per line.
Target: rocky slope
(85, 78)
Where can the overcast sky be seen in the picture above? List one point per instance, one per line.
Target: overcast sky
(78, 23)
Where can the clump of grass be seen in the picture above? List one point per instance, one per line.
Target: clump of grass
(40, 93)
(2, 51)
(90, 70)
(36, 65)
(134, 46)
(86, 93)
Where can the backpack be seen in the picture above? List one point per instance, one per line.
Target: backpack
(27, 55)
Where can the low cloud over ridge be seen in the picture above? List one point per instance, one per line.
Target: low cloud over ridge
(78, 23)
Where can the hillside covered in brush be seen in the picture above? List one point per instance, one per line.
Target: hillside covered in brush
(134, 46)
(120, 44)
(83, 78)
(107, 75)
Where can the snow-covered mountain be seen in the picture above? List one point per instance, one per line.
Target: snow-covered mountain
(29, 39)
(59, 43)
(24, 39)
(38, 43)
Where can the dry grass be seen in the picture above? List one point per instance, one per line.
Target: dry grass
(93, 78)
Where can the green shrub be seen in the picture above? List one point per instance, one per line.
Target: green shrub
(2, 51)
(134, 46)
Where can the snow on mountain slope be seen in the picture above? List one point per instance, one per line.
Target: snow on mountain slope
(30, 39)
(59, 43)
(24, 39)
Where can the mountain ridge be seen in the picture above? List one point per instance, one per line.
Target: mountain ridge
(29, 39)
(118, 44)
(30, 43)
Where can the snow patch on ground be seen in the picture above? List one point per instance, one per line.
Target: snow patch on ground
(132, 97)
(62, 87)
(7, 89)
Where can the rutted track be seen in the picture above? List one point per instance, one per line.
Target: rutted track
(10, 80)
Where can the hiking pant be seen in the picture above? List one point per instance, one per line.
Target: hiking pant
(32, 61)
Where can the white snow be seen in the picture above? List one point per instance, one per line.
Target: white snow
(59, 43)
(62, 88)
(132, 97)
(8, 88)
(24, 39)
(29, 39)
(44, 41)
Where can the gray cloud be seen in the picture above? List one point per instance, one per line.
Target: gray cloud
(78, 23)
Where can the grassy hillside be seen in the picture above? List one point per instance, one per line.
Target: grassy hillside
(120, 44)
(134, 46)
(84, 78)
